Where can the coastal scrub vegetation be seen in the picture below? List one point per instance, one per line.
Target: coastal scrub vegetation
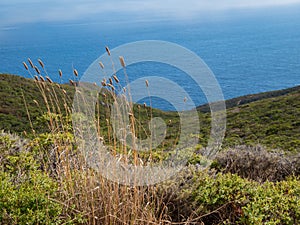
(45, 179)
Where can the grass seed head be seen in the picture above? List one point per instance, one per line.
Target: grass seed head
(75, 72)
(41, 63)
(107, 50)
(101, 65)
(60, 73)
(42, 78)
(49, 80)
(71, 82)
(37, 70)
(25, 65)
(111, 86)
(116, 78)
(122, 61)
(30, 62)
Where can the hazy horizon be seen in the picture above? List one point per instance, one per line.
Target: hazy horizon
(16, 12)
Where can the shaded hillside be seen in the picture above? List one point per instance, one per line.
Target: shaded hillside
(15, 91)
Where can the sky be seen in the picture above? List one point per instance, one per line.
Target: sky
(14, 12)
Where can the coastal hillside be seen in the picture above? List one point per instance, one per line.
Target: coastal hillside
(45, 178)
(270, 119)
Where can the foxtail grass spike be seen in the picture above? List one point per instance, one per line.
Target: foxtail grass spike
(116, 78)
(42, 78)
(107, 50)
(122, 61)
(101, 65)
(25, 65)
(41, 63)
(49, 80)
(111, 86)
(75, 72)
(30, 62)
(37, 70)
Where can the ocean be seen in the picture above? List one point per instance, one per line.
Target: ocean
(248, 53)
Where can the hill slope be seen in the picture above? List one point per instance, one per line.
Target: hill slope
(270, 119)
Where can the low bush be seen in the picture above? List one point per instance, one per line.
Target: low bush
(207, 197)
(257, 163)
(27, 194)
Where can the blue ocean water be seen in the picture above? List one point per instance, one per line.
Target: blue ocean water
(251, 53)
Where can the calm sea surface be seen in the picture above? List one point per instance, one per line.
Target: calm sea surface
(248, 54)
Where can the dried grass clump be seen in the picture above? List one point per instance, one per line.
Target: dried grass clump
(257, 163)
(82, 190)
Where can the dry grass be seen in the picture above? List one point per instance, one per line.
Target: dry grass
(83, 190)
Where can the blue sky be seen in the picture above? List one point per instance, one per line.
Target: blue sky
(13, 12)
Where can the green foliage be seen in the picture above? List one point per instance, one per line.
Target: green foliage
(16, 92)
(270, 119)
(271, 122)
(274, 203)
(208, 197)
(244, 202)
(227, 198)
(27, 193)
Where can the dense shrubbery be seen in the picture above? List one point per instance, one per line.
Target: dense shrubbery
(257, 163)
(216, 198)
(27, 194)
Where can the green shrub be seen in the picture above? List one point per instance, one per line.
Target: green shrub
(274, 203)
(27, 193)
(196, 197)
(220, 197)
(230, 199)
